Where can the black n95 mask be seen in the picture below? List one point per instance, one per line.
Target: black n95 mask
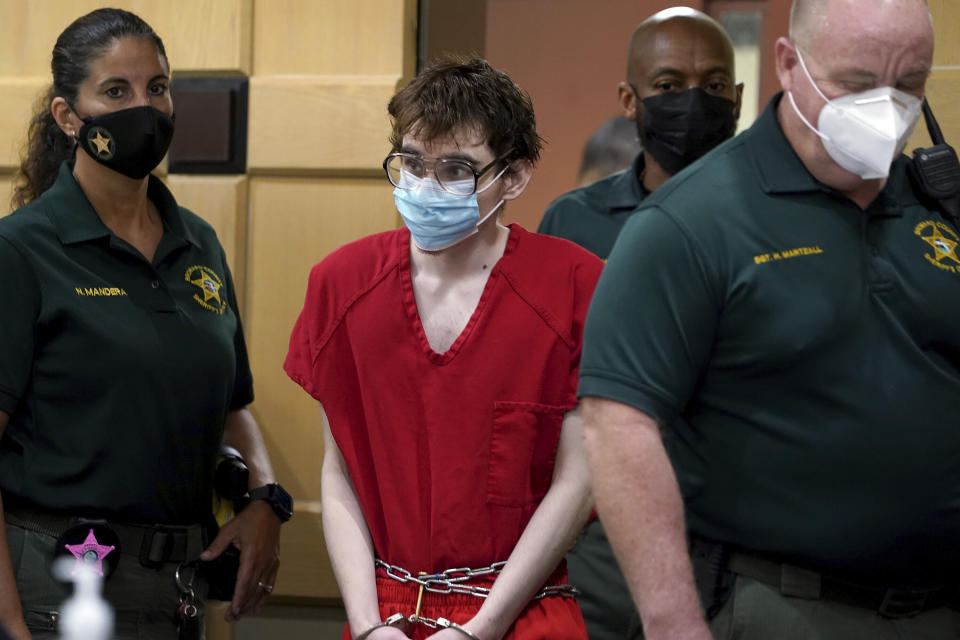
(677, 128)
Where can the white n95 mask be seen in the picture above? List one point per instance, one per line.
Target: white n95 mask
(864, 132)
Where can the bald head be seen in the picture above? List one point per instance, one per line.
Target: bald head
(804, 15)
(658, 31)
(679, 59)
(808, 18)
(841, 48)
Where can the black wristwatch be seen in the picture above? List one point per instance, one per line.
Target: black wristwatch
(277, 497)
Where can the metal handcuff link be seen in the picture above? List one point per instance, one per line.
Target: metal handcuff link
(403, 623)
(444, 582)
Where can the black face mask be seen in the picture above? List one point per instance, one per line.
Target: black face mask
(678, 128)
(131, 141)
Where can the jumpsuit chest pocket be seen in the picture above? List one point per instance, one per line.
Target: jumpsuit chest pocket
(523, 448)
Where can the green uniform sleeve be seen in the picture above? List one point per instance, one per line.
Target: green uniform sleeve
(652, 320)
(19, 309)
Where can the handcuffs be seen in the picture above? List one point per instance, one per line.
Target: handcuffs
(397, 620)
(403, 623)
(446, 624)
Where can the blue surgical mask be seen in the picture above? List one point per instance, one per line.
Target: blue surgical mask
(438, 219)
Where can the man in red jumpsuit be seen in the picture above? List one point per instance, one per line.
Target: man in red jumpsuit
(445, 357)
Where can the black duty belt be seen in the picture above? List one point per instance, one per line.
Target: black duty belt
(152, 544)
(803, 583)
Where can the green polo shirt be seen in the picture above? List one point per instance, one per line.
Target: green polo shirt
(593, 215)
(804, 355)
(117, 373)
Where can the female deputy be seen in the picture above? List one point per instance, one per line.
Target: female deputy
(122, 363)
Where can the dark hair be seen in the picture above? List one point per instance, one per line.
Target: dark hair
(456, 94)
(612, 147)
(85, 40)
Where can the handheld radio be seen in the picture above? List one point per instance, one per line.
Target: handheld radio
(936, 170)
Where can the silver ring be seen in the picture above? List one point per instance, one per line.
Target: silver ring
(266, 587)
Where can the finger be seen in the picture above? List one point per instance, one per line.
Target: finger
(257, 564)
(270, 578)
(219, 544)
(259, 600)
(262, 594)
(243, 590)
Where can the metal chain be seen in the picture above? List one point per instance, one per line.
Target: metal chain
(430, 623)
(449, 581)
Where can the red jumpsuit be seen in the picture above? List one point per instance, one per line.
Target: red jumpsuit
(450, 453)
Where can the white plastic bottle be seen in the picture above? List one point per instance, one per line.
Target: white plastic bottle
(85, 615)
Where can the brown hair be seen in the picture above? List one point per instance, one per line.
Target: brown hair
(85, 40)
(456, 94)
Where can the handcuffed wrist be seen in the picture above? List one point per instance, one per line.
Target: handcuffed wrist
(446, 624)
(393, 621)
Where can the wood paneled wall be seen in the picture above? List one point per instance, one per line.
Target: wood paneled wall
(321, 73)
(943, 87)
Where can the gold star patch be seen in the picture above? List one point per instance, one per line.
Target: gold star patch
(210, 285)
(943, 247)
(944, 241)
(210, 288)
(103, 144)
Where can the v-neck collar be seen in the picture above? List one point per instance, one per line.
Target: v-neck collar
(413, 312)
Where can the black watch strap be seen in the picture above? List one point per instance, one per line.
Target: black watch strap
(277, 497)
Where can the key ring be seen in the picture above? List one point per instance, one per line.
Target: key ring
(185, 589)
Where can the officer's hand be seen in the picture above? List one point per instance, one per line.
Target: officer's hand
(255, 531)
